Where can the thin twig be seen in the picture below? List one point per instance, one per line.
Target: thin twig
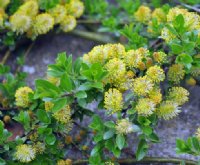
(191, 7)
(88, 21)
(147, 160)
(67, 94)
(5, 57)
(84, 153)
(8, 109)
(26, 55)
(102, 38)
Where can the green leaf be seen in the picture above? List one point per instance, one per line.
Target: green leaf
(24, 118)
(109, 144)
(141, 150)
(43, 116)
(98, 137)
(143, 121)
(154, 138)
(147, 130)
(82, 103)
(116, 151)
(59, 104)
(96, 123)
(66, 83)
(50, 139)
(109, 124)
(94, 160)
(77, 65)
(184, 59)
(43, 130)
(176, 48)
(46, 89)
(1, 128)
(180, 146)
(96, 149)
(178, 23)
(109, 134)
(120, 141)
(81, 94)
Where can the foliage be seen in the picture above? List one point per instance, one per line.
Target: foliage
(134, 86)
(48, 113)
(174, 30)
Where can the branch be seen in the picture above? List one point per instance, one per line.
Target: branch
(93, 36)
(191, 7)
(8, 109)
(67, 94)
(25, 55)
(5, 57)
(83, 152)
(89, 21)
(148, 160)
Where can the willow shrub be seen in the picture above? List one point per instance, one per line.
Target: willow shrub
(116, 79)
(135, 86)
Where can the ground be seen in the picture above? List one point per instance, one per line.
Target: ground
(45, 51)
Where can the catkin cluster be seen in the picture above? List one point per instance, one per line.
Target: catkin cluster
(140, 72)
(167, 17)
(30, 20)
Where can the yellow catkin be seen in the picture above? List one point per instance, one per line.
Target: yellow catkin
(113, 100)
(22, 97)
(142, 86)
(143, 14)
(132, 58)
(29, 8)
(179, 95)
(116, 70)
(43, 23)
(155, 95)
(168, 109)
(145, 106)
(155, 73)
(68, 23)
(20, 23)
(159, 57)
(25, 153)
(176, 73)
(48, 105)
(58, 13)
(63, 115)
(75, 8)
(123, 126)
(159, 15)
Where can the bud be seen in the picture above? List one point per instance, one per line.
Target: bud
(141, 66)
(6, 119)
(82, 132)
(84, 148)
(68, 140)
(78, 138)
(191, 81)
(149, 62)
